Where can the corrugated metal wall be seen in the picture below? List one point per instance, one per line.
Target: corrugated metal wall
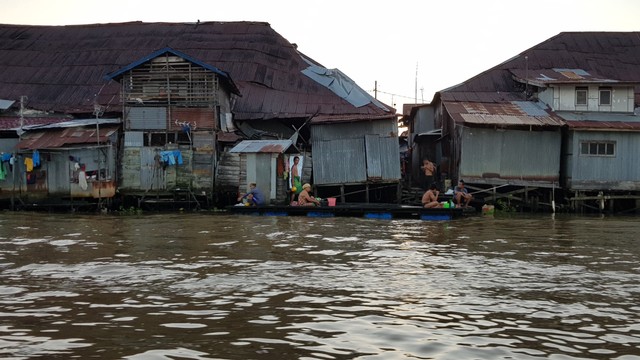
(200, 118)
(424, 120)
(339, 161)
(355, 152)
(146, 118)
(162, 118)
(619, 172)
(59, 170)
(510, 154)
(141, 172)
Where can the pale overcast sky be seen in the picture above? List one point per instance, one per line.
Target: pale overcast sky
(412, 48)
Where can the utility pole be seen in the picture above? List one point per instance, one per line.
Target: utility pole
(416, 85)
(23, 99)
(375, 90)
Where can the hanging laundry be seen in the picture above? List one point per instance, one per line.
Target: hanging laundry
(28, 163)
(6, 157)
(171, 157)
(82, 180)
(178, 155)
(36, 158)
(31, 178)
(168, 158)
(3, 173)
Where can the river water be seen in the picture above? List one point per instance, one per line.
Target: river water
(216, 286)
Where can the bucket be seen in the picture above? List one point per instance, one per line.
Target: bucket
(331, 201)
(488, 210)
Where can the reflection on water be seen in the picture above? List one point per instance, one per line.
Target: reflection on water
(203, 286)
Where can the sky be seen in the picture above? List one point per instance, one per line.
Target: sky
(407, 49)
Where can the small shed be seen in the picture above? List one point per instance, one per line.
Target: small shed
(67, 160)
(358, 155)
(262, 162)
(516, 143)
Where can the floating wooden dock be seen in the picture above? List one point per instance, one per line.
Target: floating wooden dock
(372, 211)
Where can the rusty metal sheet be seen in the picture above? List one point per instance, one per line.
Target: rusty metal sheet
(325, 119)
(196, 118)
(604, 125)
(514, 113)
(542, 77)
(13, 122)
(61, 137)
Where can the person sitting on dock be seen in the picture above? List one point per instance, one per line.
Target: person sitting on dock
(461, 194)
(254, 197)
(304, 199)
(430, 197)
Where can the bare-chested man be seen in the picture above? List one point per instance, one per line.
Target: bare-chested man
(430, 197)
(429, 170)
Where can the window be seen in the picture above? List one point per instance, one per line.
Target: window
(598, 148)
(605, 96)
(581, 95)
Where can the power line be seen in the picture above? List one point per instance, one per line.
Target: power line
(386, 93)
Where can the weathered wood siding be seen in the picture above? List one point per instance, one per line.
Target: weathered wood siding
(228, 171)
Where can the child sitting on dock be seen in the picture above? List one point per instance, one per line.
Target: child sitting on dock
(430, 197)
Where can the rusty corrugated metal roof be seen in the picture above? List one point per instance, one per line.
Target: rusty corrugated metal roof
(62, 137)
(13, 122)
(262, 146)
(544, 77)
(325, 119)
(603, 125)
(62, 68)
(608, 55)
(601, 121)
(516, 113)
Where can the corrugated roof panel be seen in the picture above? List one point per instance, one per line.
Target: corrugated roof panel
(542, 77)
(601, 121)
(13, 122)
(603, 125)
(531, 108)
(262, 146)
(5, 104)
(61, 137)
(513, 113)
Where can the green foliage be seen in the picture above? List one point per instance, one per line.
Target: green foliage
(504, 206)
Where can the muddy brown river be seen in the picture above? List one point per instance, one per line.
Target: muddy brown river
(215, 286)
